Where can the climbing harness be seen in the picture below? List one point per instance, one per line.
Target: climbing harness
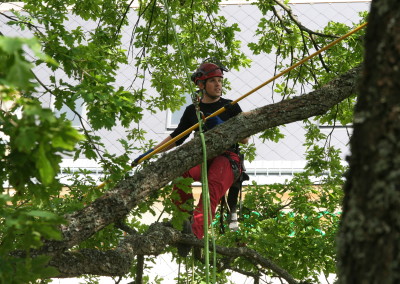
(236, 168)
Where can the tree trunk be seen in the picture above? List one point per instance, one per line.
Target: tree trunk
(369, 239)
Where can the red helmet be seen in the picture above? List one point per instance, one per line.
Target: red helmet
(207, 70)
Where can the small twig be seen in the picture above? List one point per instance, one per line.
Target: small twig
(294, 18)
(80, 120)
(319, 55)
(280, 18)
(139, 269)
(124, 227)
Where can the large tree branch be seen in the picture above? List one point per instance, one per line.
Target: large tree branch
(119, 261)
(117, 203)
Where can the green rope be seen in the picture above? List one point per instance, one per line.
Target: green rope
(205, 191)
(179, 46)
(214, 274)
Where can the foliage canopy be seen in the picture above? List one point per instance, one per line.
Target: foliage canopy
(296, 232)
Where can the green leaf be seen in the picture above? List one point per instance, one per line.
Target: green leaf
(274, 134)
(45, 167)
(10, 44)
(20, 73)
(43, 214)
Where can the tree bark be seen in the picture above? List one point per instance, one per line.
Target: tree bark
(369, 238)
(118, 262)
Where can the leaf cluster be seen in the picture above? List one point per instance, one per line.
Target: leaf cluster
(33, 143)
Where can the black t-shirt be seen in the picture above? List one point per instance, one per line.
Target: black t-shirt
(189, 117)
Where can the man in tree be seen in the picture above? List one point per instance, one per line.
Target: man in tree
(224, 169)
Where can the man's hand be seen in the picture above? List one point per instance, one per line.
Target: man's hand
(213, 121)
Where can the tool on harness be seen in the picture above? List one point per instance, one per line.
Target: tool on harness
(234, 165)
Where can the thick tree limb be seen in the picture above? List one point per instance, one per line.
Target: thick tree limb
(118, 262)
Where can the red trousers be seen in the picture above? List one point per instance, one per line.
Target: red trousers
(220, 179)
